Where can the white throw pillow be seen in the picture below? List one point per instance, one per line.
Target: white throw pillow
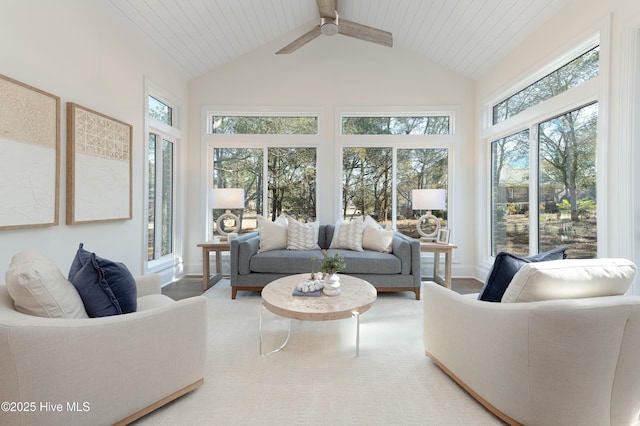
(369, 221)
(38, 288)
(302, 236)
(273, 235)
(347, 235)
(377, 239)
(570, 279)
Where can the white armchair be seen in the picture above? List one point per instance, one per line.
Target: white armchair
(553, 362)
(57, 371)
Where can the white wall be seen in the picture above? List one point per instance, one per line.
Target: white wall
(328, 73)
(81, 51)
(568, 27)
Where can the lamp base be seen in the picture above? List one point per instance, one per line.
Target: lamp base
(428, 218)
(220, 225)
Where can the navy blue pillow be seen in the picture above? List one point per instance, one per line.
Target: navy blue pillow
(555, 254)
(506, 266)
(105, 287)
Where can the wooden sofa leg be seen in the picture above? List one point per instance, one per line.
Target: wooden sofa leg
(417, 292)
(234, 291)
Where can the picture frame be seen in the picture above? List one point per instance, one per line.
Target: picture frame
(30, 160)
(443, 236)
(99, 167)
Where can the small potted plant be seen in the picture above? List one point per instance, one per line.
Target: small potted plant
(330, 266)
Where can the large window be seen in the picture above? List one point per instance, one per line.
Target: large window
(272, 156)
(163, 137)
(567, 182)
(543, 173)
(374, 185)
(290, 181)
(385, 157)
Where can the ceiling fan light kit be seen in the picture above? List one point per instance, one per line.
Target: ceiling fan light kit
(330, 25)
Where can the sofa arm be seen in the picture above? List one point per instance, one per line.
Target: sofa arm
(148, 284)
(111, 366)
(242, 249)
(478, 345)
(408, 250)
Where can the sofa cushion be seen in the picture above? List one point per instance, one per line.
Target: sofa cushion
(273, 235)
(377, 239)
(505, 266)
(348, 235)
(302, 236)
(285, 261)
(38, 288)
(369, 262)
(106, 287)
(570, 279)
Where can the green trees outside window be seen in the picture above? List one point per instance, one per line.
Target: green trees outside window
(368, 183)
(566, 187)
(290, 179)
(543, 175)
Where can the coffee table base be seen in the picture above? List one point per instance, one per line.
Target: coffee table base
(355, 315)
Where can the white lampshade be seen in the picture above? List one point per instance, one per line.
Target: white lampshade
(429, 199)
(226, 198)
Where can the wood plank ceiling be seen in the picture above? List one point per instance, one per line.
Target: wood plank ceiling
(466, 36)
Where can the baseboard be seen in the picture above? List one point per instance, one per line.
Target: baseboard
(502, 416)
(158, 404)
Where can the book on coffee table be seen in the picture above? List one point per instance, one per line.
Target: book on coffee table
(297, 292)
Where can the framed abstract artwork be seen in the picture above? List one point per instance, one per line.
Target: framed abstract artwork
(98, 167)
(30, 156)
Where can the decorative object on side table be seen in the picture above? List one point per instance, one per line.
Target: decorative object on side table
(428, 199)
(443, 236)
(330, 266)
(227, 199)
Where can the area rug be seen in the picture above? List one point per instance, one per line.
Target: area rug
(317, 379)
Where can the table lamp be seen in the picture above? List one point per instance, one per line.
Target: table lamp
(226, 198)
(428, 199)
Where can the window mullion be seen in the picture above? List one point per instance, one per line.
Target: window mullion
(534, 197)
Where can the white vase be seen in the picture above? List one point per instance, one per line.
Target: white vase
(332, 285)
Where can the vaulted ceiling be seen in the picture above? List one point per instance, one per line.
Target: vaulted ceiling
(466, 36)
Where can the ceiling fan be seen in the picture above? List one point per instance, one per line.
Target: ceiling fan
(331, 23)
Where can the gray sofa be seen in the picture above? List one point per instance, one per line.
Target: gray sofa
(395, 271)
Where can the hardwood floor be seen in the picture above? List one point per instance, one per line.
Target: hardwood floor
(192, 286)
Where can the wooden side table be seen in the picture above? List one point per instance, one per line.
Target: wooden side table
(437, 249)
(207, 247)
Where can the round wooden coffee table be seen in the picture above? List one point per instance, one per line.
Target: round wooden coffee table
(355, 298)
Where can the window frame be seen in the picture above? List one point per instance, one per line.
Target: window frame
(594, 90)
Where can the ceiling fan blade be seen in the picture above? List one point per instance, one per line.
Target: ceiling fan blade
(364, 32)
(300, 41)
(327, 8)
